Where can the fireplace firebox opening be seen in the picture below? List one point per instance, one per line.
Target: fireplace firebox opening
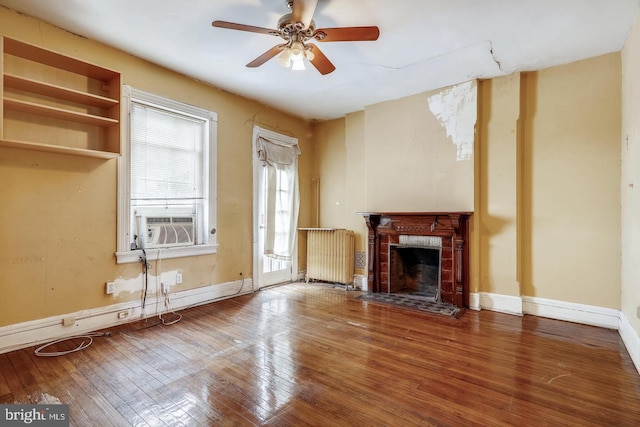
(415, 270)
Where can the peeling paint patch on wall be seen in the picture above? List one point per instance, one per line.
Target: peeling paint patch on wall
(456, 109)
(136, 284)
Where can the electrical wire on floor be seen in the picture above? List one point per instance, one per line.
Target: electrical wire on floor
(176, 316)
(240, 288)
(87, 339)
(145, 268)
(164, 291)
(167, 301)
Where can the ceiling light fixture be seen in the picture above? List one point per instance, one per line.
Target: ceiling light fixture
(293, 55)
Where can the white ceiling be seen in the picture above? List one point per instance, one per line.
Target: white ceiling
(423, 44)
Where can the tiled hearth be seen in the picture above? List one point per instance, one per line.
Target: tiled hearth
(444, 233)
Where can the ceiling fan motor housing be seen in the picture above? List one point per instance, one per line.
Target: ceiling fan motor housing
(287, 27)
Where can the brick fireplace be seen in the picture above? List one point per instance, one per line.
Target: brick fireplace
(420, 252)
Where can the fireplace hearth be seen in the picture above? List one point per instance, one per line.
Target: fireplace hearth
(420, 253)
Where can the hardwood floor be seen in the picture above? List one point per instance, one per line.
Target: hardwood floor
(299, 354)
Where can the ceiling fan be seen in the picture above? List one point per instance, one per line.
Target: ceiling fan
(297, 29)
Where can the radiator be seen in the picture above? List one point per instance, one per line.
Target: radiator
(330, 255)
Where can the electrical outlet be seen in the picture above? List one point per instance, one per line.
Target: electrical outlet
(123, 314)
(164, 288)
(110, 288)
(178, 278)
(69, 321)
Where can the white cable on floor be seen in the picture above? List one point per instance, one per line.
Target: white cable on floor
(84, 344)
(164, 291)
(167, 303)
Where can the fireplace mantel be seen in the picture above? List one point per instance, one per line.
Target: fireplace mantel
(385, 228)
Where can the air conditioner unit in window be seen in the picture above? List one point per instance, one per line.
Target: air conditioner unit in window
(167, 231)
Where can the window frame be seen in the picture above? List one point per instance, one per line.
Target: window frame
(124, 253)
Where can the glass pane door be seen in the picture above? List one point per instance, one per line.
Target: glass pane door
(273, 271)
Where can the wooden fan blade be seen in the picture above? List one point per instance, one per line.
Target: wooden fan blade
(242, 27)
(320, 61)
(349, 34)
(266, 56)
(302, 11)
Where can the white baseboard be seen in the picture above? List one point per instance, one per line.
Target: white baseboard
(631, 340)
(571, 312)
(496, 302)
(553, 309)
(474, 301)
(27, 334)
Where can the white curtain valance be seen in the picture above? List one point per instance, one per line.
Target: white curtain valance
(277, 153)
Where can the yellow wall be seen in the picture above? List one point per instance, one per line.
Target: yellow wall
(571, 173)
(497, 183)
(548, 198)
(412, 165)
(339, 152)
(58, 212)
(330, 151)
(630, 184)
(356, 185)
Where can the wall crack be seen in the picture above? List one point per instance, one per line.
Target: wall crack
(493, 55)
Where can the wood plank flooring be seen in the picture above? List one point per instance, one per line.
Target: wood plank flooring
(313, 355)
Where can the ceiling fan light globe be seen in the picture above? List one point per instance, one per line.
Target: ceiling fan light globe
(284, 62)
(297, 50)
(284, 58)
(297, 65)
(309, 55)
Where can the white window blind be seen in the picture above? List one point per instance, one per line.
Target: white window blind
(167, 158)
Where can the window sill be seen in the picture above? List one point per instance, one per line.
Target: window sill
(165, 253)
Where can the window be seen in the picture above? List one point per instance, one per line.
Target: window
(166, 200)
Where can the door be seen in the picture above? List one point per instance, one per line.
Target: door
(270, 270)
